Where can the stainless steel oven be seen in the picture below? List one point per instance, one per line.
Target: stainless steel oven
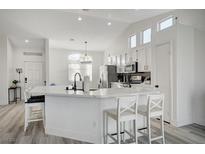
(136, 79)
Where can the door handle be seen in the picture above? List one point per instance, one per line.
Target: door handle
(156, 86)
(26, 80)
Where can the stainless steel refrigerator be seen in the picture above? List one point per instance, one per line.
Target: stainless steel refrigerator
(108, 74)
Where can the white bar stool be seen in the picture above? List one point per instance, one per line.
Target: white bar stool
(34, 109)
(126, 111)
(153, 109)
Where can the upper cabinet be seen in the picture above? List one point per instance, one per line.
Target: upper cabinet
(149, 58)
(144, 59)
(134, 55)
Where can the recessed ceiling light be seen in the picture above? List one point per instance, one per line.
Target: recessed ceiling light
(26, 41)
(80, 19)
(86, 10)
(109, 23)
(72, 39)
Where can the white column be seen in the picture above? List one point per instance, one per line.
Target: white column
(3, 71)
(47, 61)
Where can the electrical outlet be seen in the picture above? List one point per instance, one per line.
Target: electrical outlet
(94, 124)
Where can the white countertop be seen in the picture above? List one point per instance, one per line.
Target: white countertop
(100, 93)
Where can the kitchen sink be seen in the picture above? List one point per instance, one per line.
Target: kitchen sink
(93, 89)
(82, 89)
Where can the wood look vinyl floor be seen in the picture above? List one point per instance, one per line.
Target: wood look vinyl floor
(12, 124)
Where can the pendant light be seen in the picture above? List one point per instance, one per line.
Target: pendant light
(109, 59)
(86, 59)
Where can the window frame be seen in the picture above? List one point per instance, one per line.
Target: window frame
(142, 36)
(163, 20)
(81, 70)
(129, 40)
(77, 62)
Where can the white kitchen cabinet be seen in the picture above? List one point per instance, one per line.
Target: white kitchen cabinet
(141, 55)
(141, 59)
(144, 59)
(134, 55)
(148, 58)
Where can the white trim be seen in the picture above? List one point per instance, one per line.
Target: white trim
(171, 80)
(164, 19)
(142, 36)
(171, 77)
(129, 40)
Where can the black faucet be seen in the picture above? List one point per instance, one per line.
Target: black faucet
(75, 86)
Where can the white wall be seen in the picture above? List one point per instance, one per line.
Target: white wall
(10, 66)
(199, 83)
(185, 74)
(195, 19)
(59, 65)
(192, 17)
(3, 71)
(19, 59)
(47, 62)
(10, 57)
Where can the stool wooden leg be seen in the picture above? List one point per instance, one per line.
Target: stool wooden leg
(43, 114)
(162, 129)
(149, 129)
(105, 127)
(136, 138)
(123, 131)
(25, 125)
(26, 118)
(118, 132)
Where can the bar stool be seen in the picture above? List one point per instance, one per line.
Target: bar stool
(153, 109)
(126, 111)
(34, 109)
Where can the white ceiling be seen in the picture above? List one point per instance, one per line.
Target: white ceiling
(121, 15)
(61, 25)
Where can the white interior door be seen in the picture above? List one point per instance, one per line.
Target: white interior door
(33, 74)
(163, 76)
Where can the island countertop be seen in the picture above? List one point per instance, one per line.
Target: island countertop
(99, 93)
(79, 115)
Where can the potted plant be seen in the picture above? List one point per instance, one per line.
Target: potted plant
(14, 83)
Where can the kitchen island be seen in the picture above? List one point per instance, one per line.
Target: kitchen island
(79, 115)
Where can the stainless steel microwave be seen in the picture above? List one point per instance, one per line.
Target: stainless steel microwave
(131, 68)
